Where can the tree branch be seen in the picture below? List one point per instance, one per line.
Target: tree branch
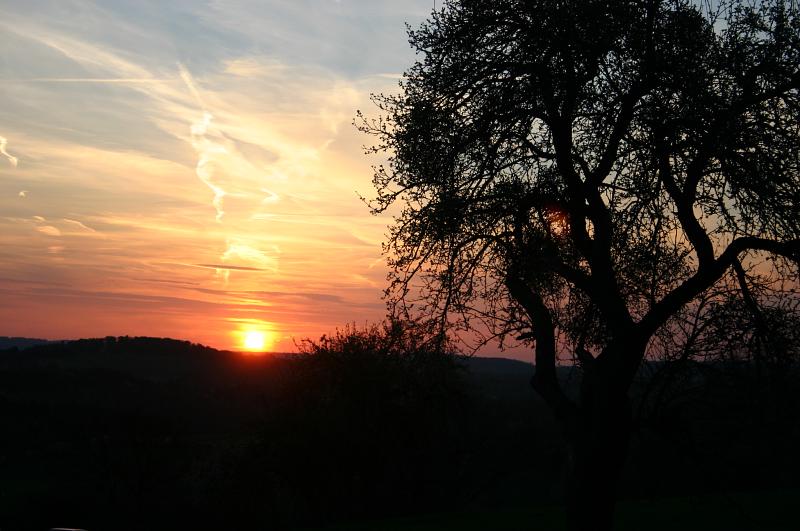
(710, 273)
(684, 207)
(545, 379)
(621, 124)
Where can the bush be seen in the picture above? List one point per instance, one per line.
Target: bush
(365, 422)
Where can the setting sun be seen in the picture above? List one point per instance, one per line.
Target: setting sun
(255, 340)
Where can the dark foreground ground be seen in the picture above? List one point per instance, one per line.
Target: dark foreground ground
(135, 433)
(739, 511)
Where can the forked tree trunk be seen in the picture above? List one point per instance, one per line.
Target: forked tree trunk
(598, 444)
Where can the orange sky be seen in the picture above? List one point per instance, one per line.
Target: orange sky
(190, 170)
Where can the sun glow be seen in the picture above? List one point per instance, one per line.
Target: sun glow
(558, 219)
(255, 341)
(254, 336)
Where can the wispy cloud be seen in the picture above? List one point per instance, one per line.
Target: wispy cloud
(11, 159)
(79, 225)
(243, 252)
(49, 230)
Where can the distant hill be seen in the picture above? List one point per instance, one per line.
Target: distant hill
(130, 354)
(148, 358)
(153, 359)
(21, 342)
(140, 346)
(508, 379)
(499, 366)
(110, 353)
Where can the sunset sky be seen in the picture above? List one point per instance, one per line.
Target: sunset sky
(189, 168)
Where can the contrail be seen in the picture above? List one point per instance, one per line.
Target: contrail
(204, 147)
(204, 169)
(78, 224)
(187, 78)
(12, 159)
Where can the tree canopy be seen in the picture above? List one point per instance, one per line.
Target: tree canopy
(594, 164)
(577, 172)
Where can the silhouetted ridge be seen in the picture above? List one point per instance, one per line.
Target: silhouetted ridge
(128, 345)
(7, 343)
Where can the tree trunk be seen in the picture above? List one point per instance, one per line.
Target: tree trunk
(598, 439)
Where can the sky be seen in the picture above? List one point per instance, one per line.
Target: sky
(189, 168)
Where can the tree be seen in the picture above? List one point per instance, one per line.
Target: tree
(579, 172)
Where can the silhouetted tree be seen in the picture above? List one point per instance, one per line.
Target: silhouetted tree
(577, 172)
